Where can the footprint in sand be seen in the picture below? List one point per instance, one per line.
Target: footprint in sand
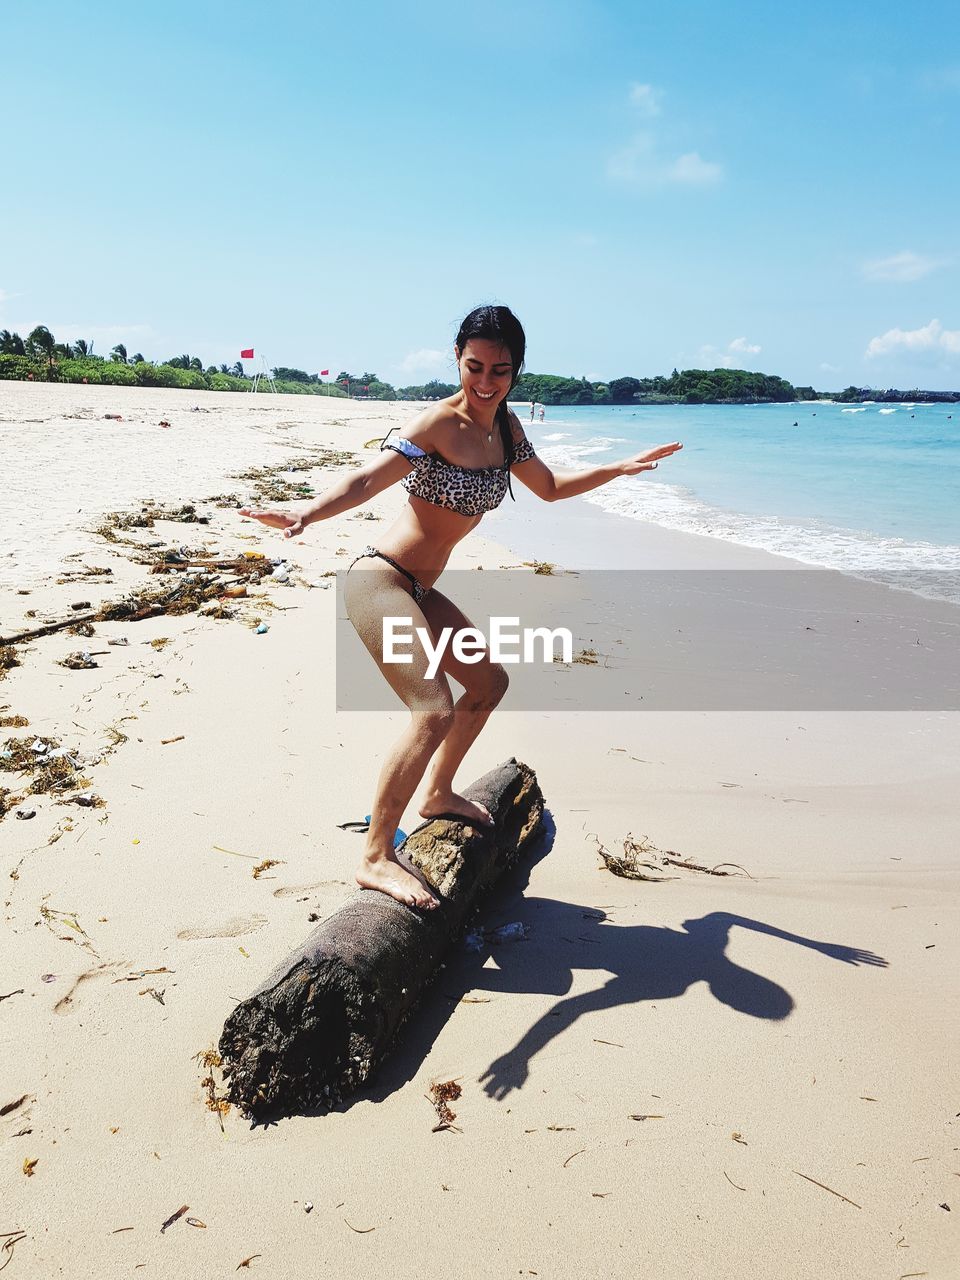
(295, 890)
(235, 927)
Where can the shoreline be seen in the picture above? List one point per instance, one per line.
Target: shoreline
(219, 748)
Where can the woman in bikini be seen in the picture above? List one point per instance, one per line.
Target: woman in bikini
(455, 463)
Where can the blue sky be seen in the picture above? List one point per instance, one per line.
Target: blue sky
(647, 186)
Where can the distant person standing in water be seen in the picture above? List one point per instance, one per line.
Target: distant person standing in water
(533, 405)
(542, 412)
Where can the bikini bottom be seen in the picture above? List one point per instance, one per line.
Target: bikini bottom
(417, 589)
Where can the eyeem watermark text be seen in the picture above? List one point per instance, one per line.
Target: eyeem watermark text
(507, 643)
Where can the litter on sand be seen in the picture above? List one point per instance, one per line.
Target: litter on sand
(10, 1240)
(477, 939)
(174, 1217)
(823, 1186)
(641, 857)
(516, 931)
(82, 660)
(359, 827)
(441, 1095)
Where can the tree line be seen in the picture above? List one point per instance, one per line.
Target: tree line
(40, 357)
(689, 386)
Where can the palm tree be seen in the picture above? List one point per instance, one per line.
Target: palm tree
(195, 364)
(237, 370)
(138, 358)
(82, 349)
(41, 342)
(119, 354)
(224, 369)
(11, 344)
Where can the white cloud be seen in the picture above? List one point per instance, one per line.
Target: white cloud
(642, 160)
(102, 334)
(645, 98)
(638, 163)
(931, 338)
(732, 358)
(632, 162)
(427, 361)
(711, 357)
(901, 268)
(942, 79)
(693, 170)
(747, 348)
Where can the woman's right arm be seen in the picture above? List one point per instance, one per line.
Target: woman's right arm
(355, 489)
(346, 493)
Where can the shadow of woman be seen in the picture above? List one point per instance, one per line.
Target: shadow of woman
(648, 962)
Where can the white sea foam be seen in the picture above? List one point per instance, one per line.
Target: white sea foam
(860, 409)
(921, 567)
(557, 435)
(888, 411)
(573, 455)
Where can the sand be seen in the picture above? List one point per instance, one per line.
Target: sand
(787, 1028)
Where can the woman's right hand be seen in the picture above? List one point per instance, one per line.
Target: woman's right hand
(288, 521)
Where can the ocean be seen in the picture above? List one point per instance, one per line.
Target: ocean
(872, 489)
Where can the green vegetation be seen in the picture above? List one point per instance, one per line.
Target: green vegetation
(364, 386)
(433, 390)
(40, 358)
(893, 395)
(691, 386)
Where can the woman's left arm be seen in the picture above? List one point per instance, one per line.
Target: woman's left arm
(551, 484)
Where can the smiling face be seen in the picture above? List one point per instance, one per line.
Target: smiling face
(486, 372)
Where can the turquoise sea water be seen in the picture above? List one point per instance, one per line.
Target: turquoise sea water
(868, 489)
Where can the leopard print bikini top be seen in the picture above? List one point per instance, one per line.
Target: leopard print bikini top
(470, 491)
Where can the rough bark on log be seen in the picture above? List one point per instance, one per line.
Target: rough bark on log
(319, 1024)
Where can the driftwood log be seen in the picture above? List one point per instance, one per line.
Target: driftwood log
(315, 1029)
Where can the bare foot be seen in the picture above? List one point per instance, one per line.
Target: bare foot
(440, 804)
(387, 875)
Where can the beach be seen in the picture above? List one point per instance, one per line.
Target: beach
(716, 1075)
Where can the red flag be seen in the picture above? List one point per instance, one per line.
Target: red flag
(324, 373)
(246, 353)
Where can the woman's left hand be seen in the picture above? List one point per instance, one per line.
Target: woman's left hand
(648, 461)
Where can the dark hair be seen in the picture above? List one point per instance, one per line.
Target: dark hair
(498, 324)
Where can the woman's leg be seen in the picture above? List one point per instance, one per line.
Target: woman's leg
(370, 594)
(484, 684)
